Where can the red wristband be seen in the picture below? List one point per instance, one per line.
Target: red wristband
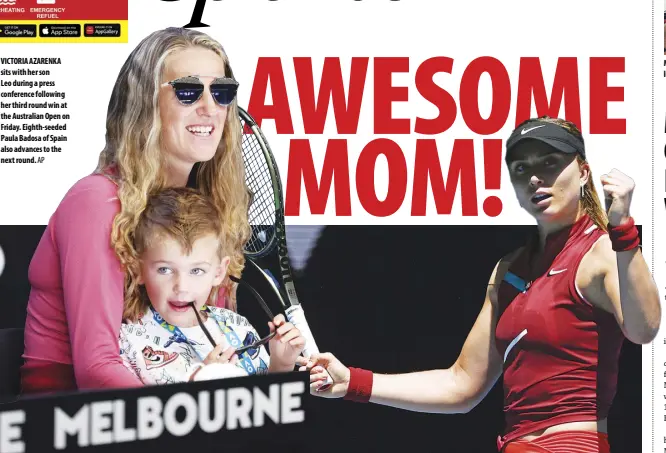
(624, 237)
(360, 385)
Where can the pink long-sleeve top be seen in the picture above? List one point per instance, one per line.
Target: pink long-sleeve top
(76, 299)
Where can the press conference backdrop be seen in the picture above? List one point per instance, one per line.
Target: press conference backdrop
(390, 299)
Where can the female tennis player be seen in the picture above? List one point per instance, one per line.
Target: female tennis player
(556, 310)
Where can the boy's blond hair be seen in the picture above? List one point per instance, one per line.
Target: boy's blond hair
(181, 214)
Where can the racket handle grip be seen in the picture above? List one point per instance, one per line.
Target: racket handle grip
(296, 316)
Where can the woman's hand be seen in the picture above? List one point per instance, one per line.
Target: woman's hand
(318, 365)
(618, 189)
(285, 346)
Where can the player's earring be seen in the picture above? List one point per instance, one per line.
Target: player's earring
(582, 191)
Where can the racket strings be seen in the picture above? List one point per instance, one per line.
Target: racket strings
(261, 213)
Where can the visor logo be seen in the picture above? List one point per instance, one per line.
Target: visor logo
(525, 131)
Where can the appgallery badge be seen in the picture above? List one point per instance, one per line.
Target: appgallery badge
(63, 21)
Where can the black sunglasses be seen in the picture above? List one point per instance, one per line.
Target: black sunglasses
(189, 90)
(263, 304)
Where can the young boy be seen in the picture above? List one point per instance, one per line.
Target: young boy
(180, 265)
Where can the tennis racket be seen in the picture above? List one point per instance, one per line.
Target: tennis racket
(266, 218)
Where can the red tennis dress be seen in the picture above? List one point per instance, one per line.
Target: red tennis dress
(560, 352)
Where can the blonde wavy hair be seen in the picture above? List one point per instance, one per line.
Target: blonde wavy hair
(133, 156)
(181, 214)
(590, 200)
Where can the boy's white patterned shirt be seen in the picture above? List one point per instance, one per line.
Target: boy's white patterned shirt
(157, 356)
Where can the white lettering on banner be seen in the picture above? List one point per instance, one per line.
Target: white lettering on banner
(100, 423)
(120, 432)
(291, 401)
(104, 422)
(265, 405)
(149, 422)
(187, 402)
(239, 405)
(74, 426)
(206, 423)
(10, 432)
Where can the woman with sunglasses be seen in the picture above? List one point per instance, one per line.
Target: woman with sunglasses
(172, 121)
(555, 315)
(172, 331)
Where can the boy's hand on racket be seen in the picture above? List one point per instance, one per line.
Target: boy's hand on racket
(286, 346)
(318, 365)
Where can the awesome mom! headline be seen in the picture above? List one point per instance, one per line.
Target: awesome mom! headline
(343, 101)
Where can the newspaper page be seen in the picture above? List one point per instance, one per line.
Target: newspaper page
(418, 246)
